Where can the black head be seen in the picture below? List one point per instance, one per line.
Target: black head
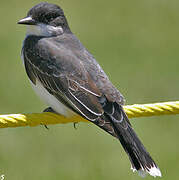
(46, 13)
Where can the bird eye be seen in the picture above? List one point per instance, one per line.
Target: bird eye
(50, 17)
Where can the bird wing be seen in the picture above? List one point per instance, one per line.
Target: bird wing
(61, 72)
(57, 71)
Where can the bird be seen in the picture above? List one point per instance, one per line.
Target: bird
(71, 82)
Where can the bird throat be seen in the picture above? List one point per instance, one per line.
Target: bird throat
(44, 30)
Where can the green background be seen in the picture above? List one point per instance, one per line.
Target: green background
(136, 42)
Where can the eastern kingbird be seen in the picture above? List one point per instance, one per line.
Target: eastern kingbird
(68, 78)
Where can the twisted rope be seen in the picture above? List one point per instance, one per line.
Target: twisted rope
(136, 110)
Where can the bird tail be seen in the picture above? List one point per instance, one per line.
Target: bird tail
(117, 124)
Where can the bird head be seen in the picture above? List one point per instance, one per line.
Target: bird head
(45, 19)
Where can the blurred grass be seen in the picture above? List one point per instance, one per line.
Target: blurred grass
(136, 42)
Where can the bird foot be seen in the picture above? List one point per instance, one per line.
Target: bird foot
(49, 109)
(74, 125)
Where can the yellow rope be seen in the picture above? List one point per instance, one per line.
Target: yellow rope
(136, 110)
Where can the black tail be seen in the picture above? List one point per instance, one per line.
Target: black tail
(117, 124)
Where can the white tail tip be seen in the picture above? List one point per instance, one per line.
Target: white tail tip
(153, 171)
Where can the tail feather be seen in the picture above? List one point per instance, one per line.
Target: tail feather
(118, 125)
(140, 159)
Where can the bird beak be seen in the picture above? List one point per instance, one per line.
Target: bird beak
(27, 21)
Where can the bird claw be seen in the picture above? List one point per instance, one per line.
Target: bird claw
(49, 109)
(74, 125)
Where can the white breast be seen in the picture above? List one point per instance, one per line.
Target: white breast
(51, 101)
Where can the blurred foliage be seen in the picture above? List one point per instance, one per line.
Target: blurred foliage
(136, 42)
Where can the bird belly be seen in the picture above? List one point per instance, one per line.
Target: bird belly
(51, 100)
